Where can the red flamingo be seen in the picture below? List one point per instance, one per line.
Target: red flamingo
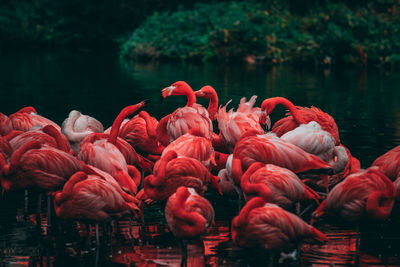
(114, 155)
(183, 119)
(47, 135)
(233, 124)
(188, 216)
(367, 193)
(271, 227)
(389, 163)
(171, 172)
(77, 126)
(35, 165)
(140, 133)
(266, 180)
(92, 197)
(299, 115)
(23, 120)
(253, 148)
(193, 145)
(208, 92)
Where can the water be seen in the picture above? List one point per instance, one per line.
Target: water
(364, 103)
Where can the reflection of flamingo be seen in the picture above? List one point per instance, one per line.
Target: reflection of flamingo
(34, 165)
(270, 227)
(188, 215)
(269, 149)
(172, 171)
(299, 115)
(183, 119)
(389, 163)
(233, 124)
(23, 120)
(366, 193)
(284, 185)
(77, 126)
(193, 145)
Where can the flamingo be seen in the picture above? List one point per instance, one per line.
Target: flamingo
(39, 166)
(140, 133)
(171, 172)
(396, 184)
(188, 216)
(389, 163)
(299, 115)
(286, 188)
(77, 126)
(208, 92)
(45, 135)
(367, 193)
(23, 120)
(114, 155)
(266, 148)
(183, 119)
(92, 197)
(233, 124)
(270, 227)
(194, 145)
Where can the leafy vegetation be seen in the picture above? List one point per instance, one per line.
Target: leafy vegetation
(272, 31)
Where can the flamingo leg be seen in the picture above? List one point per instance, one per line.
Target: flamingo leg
(184, 253)
(48, 215)
(26, 204)
(97, 246)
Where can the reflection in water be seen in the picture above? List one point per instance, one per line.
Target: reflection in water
(364, 103)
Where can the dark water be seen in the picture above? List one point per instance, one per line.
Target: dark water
(364, 102)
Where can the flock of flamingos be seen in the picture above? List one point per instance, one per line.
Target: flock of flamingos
(94, 175)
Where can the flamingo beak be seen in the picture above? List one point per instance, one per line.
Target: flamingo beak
(168, 91)
(265, 121)
(200, 93)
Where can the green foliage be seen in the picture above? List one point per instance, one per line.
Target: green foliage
(273, 31)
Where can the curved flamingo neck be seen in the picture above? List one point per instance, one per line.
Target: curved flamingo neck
(196, 222)
(164, 161)
(213, 103)
(150, 126)
(129, 110)
(259, 189)
(379, 205)
(68, 189)
(27, 110)
(62, 143)
(273, 101)
(243, 217)
(15, 158)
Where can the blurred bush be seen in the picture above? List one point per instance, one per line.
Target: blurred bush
(273, 31)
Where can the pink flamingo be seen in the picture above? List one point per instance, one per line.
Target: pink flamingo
(193, 145)
(23, 120)
(299, 115)
(389, 163)
(270, 227)
(114, 155)
(35, 165)
(253, 148)
(77, 126)
(367, 193)
(188, 216)
(208, 92)
(172, 171)
(266, 180)
(233, 124)
(92, 197)
(47, 135)
(183, 119)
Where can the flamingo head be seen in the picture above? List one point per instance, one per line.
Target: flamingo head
(206, 92)
(268, 105)
(177, 88)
